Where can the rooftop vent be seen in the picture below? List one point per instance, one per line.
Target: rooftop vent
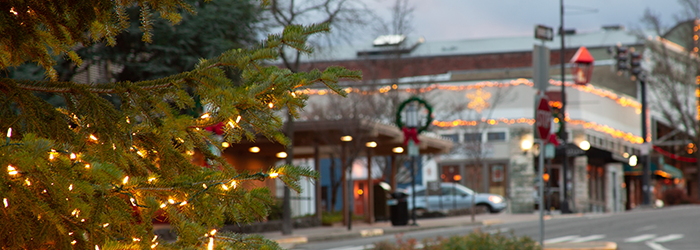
(613, 27)
(569, 32)
(388, 40)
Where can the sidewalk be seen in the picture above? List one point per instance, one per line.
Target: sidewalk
(363, 229)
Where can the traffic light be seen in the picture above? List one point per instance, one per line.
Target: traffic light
(621, 58)
(635, 63)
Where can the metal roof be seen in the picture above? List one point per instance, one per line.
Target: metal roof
(600, 38)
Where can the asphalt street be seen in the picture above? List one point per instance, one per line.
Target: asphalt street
(673, 228)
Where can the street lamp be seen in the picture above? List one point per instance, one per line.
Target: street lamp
(585, 145)
(349, 194)
(412, 124)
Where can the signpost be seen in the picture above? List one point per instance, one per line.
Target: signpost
(543, 121)
(543, 113)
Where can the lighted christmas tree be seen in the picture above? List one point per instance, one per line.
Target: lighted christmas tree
(93, 174)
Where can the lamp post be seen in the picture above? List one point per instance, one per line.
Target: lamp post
(370, 190)
(412, 123)
(350, 194)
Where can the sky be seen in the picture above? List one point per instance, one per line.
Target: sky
(444, 20)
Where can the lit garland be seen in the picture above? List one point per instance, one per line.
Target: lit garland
(621, 100)
(586, 125)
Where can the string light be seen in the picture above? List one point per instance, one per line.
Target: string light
(87, 165)
(205, 116)
(162, 205)
(105, 225)
(190, 152)
(50, 156)
(183, 203)
(224, 186)
(70, 188)
(135, 239)
(29, 183)
(274, 175)
(73, 156)
(586, 125)
(9, 133)
(73, 242)
(92, 137)
(271, 105)
(12, 170)
(133, 201)
(126, 179)
(225, 144)
(204, 186)
(238, 119)
(152, 179)
(211, 243)
(4, 201)
(171, 201)
(234, 184)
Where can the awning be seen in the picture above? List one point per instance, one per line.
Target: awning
(667, 171)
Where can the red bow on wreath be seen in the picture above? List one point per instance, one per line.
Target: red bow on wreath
(410, 134)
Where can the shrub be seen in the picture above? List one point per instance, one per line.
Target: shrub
(476, 240)
(674, 196)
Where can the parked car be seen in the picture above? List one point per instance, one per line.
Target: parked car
(453, 196)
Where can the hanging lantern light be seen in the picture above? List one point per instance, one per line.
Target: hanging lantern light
(582, 66)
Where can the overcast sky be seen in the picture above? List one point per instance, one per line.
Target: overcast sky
(439, 20)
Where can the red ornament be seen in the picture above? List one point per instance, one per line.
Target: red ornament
(217, 128)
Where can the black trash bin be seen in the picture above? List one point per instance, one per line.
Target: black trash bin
(398, 208)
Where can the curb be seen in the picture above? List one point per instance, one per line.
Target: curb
(593, 245)
(379, 232)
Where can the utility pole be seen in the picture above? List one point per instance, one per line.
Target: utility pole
(565, 160)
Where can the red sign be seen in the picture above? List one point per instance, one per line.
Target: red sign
(543, 117)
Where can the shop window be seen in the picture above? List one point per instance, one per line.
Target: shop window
(472, 137)
(452, 137)
(496, 136)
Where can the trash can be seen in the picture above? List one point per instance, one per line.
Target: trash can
(398, 209)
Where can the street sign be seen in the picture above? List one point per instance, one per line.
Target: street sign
(544, 33)
(543, 117)
(540, 67)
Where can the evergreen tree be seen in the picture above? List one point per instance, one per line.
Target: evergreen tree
(92, 175)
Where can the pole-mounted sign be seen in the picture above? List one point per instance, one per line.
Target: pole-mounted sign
(543, 118)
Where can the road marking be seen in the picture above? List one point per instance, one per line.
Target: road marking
(499, 230)
(650, 227)
(640, 238)
(667, 238)
(655, 246)
(371, 246)
(561, 239)
(588, 238)
(371, 232)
